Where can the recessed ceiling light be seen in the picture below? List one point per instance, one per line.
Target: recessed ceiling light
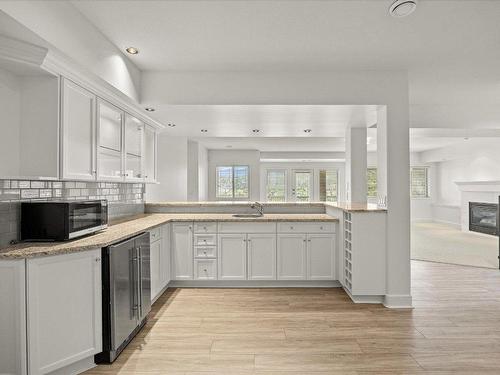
(466, 138)
(307, 130)
(150, 109)
(132, 50)
(402, 8)
(229, 146)
(256, 130)
(171, 125)
(204, 130)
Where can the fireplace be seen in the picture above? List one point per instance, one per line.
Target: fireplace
(483, 217)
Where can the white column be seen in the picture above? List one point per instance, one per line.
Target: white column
(355, 165)
(382, 156)
(397, 165)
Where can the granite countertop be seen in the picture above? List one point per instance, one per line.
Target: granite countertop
(351, 207)
(123, 229)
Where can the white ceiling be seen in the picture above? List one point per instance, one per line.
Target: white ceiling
(254, 35)
(271, 120)
(450, 48)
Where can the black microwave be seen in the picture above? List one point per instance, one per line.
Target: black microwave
(62, 220)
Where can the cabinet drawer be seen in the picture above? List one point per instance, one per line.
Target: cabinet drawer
(205, 252)
(306, 227)
(205, 239)
(205, 269)
(155, 234)
(247, 227)
(205, 227)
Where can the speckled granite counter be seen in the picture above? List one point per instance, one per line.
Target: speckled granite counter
(270, 207)
(138, 224)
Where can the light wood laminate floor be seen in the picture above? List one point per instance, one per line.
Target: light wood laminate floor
(453, 329)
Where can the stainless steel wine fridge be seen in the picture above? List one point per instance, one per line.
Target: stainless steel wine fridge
(126, 294)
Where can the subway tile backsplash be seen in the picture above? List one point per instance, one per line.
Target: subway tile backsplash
(124, 199)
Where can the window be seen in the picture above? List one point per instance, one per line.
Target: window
(328, 185)
(371, 177)
(232, 182)
(419, 182)
(276, 185)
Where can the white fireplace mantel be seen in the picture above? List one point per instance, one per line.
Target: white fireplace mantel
(486, 186)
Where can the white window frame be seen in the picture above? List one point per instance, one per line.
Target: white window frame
(233, 198)
(317, 178)
(427, 184)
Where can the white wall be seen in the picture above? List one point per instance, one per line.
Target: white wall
(172, 170)
(202, 173)
(235, 157)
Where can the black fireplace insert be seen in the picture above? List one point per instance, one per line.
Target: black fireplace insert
(483, 217)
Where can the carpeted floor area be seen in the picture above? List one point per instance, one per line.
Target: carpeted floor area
(445, 243)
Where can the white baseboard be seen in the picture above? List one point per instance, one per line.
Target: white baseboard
(161, 292)
(77, 367)
(254, 284)
(364, 299)
(398, 301)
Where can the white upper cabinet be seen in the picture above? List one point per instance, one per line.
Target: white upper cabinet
(149, 154)
(110, 142)
(134, 138)
(78, 132)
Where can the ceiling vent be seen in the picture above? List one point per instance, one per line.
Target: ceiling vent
(402, 8)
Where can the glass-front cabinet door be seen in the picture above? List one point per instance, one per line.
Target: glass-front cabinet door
(110, 142)
(149, 154)
(134, 138)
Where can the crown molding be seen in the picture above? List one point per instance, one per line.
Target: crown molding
(58, 64)
(21, 52)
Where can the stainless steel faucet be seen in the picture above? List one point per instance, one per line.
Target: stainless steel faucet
(259, 207)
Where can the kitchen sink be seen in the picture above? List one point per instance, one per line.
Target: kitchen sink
(247, 215)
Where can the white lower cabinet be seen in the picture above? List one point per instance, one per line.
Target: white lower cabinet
(166, 255)
(182, 251)
(159, 259)
(155, 266)
(13, 317)
(292, 256)
(261, 251)
(64, 310)
(320, 257)
(205, 269)
(232, 257)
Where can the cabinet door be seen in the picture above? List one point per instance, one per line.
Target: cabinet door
(232, 257)
(150, 150)
(292, 256)
(182, 251)
(64, 310)
(78, 132)
(156, 268)
(13, 317)
(165, 255)
(320, 257)
(261, 257)
(110, 142)
(134, 131)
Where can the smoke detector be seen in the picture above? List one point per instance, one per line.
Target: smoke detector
(402, 8)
